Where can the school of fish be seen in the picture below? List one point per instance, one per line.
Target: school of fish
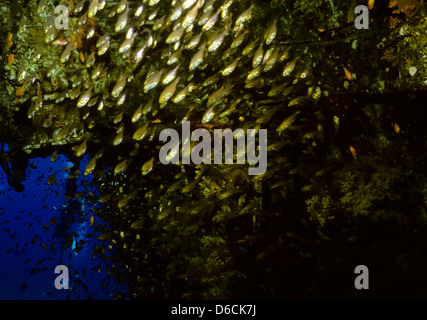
(124, 70)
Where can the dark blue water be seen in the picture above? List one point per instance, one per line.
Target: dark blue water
(32, 243)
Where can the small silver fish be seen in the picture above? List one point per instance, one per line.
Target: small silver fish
(271, 61)
(197, 59)
(93, 8)
(22, 71)
(190, 16)
(141, 132)
(194, 42)
(209, 6)
(104, 47)
(230, 68)
(257, 83)
(67, 51)
(28, 81)
(101, 4)
(22, 24)
(52, 69)
(75, 93)
(258, 56)
(90, 166)
(268, 54)
(137, 114)
(159, 23)
(211, 80)
(139, 54)
(130, 33)
(152, 3)
(238, 40)
(211, 22)
(101, 105)
(187, 4)
(174, 57)
(285, 54)
(271, 32)
(41, 7)
(84, 98)
(102, 40)
(77, 82)
(254, 73)
(150, 40)
(139, 10)
(209, 114)
(120, 84)
(226, 54)
(90, 32)
(96, 72)
(79, 6)
(121, 128)
(249, 48)
(82, 20)
(148, 107)
(175, 35)
(81, 149)
(176, 13)
(244, 16)
(118, 139)
(168, 92)
(216, 96)
(51, 34)
(92, 101)
(152, 81)
(224, 9)
(121, 99)
(216, 43)
(118, 118)
(276, 89)
(153, 14)
(181, 95)
(170, 75)
(289, 67)
(39, 103)
(203, 19)
(127, 44)
(288, 121)
(121, 6)
(31, 111)
(37, 54)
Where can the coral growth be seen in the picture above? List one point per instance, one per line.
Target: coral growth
(403, 10)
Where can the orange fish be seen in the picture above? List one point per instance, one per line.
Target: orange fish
(82, 57)
(371, 4)
(9, 40)
(396, 127)
(92, 220)
(156, 121)
(11, 59)
(353, 152)
(67, 168)
(20, 91)
(347, 74)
